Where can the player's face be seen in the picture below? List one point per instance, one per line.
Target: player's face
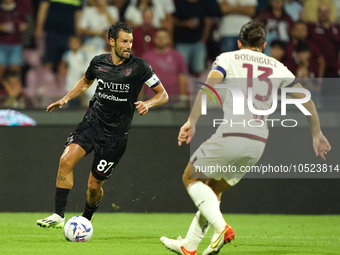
(123, 45)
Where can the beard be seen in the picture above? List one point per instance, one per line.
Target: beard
(120, 54)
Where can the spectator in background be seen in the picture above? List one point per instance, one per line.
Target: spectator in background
(73, 65)
(310, 10)
(94, 22)
(134, 13)
(91, 90)
(235, 15)
(299, 33)
(276, 21)
(26, 8)
(303, 58)
(294, 9)
(306, 79)
(143, 36)
(326, 35)
(193, 20)
(261, 5)
(277, 49)
(169, 9)
(12, 24)
(16, 97)
(337, 3)
(169, 66)
(58, 20)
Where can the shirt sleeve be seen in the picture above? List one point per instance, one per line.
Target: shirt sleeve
(90, 74)
(65, 56)
(220, 65)
(130, 13)
(148, 75)
(169, 6)
(83, 22)
(288, 79)
(113, 10)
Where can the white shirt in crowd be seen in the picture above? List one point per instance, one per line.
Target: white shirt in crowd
(76, 66)
(135, 15)
(92, 20)
(232, 23)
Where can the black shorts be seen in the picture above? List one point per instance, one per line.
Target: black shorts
(107, 150)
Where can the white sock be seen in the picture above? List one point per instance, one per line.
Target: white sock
(199, 226)
(207, 202)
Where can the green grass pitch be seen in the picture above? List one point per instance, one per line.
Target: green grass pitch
(132, 233)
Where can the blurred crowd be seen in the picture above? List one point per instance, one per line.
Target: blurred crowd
(46, 45)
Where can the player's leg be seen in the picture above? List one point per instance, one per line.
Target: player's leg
(108, 152)
(94, 194)
(199, 225)
(70, 157)
(207, 202)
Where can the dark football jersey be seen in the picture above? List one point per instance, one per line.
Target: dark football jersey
(112, 105)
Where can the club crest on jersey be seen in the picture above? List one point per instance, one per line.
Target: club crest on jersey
(127, 71)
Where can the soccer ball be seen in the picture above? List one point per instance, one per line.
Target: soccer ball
(78, 229)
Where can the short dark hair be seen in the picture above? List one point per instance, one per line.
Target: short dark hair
(278, 43)
(302, 47)
(252, 34)
(116, 28)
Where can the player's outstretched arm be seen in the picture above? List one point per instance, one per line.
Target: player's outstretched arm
(320, 143)
(187, 131)
(82, 85)
(160, 98)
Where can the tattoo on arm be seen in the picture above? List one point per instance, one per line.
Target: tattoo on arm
(61, 178)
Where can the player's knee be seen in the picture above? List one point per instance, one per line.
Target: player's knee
(65, 164)
(185, 180)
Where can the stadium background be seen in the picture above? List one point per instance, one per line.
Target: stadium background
(149, 176)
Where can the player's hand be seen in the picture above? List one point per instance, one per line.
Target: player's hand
(186, 133)
(321, 145)
(59, 104)
(142, 107)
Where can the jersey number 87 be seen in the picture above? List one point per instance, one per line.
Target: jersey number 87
(104, 166)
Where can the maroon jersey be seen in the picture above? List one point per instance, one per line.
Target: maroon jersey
(291, 61)
(328, 41)
(12, 18)
(143, 42)
(279, 26)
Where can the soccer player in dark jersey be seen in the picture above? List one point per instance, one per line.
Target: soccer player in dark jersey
(107, 122)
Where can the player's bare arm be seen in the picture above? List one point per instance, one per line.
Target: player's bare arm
(82, 85)
(160, 98)
(187, 131)
(320, 143)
